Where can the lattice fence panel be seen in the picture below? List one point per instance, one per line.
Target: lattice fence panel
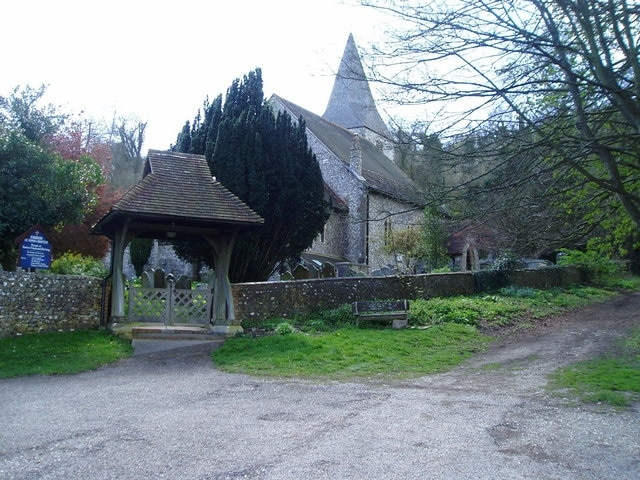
(191, 306)
(148, 304)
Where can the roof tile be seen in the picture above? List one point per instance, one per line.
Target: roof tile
(179, 185)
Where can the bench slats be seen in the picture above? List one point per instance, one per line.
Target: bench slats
(385, 310)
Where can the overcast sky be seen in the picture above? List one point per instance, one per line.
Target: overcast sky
(157, 60)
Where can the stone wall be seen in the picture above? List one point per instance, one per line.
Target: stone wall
(398, 217)
(285, 299)
(36, 302)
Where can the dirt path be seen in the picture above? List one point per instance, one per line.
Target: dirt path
(521, 358)
(562, 339)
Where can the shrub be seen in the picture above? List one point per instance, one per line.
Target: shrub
(284, 328)
(497, 276)
(328, 320)
(338, 317)
(75, 264)
(595, 267)
(437, 311)
(140, 249)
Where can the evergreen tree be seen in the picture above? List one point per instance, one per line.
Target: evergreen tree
(263, 158)
(183, 142)
(140, 250)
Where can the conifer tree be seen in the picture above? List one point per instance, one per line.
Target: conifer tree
(263, 157)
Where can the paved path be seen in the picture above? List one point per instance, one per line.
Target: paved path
(171, 415)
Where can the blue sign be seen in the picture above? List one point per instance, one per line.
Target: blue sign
(35, 251)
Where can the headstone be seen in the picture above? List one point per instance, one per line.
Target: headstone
(183, 283)
(300, 272)
(159, 280)
(147, 279)
(313, 271)
(383, 272)
(328, 271)
(344, 269)
(286, 276)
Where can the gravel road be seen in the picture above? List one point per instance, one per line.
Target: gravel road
(172, 415)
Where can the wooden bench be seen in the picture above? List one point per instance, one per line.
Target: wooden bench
(395, 311)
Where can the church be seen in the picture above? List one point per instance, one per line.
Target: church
(370, 196)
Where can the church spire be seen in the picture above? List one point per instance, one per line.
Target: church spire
(351, 104)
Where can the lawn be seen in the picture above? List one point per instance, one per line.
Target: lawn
(444, 332)
(59, 352)
(351, 353)
(613, 379)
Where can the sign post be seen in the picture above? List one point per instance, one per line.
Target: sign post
(35, 249)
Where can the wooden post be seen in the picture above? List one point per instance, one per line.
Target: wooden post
(223, 311)
(117, 292)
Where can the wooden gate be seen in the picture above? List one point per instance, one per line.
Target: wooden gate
(170, 305)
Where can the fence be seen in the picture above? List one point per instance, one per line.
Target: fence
(169, 305)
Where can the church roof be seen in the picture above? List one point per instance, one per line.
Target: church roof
(178, 187)
(380, 173)
(351, 103)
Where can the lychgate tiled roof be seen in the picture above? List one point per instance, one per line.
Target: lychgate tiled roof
(179, 186)
(380, 173)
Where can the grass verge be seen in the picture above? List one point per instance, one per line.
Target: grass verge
(612, 379)
(445, 331)
(351, 353)
(59, 352)
(505, 307)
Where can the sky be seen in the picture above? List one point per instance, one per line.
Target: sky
(158, 60)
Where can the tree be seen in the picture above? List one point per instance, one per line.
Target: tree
(407, 247)
(38, 186)
(263, 158)
(140, 250)
(126, 152)
(22, 111)
(434, 239)
(565, 72)
(74, 140)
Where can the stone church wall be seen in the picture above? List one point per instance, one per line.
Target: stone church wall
(343, 182)
(333, 242)
(387, 210)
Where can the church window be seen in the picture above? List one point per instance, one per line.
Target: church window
(388, 233)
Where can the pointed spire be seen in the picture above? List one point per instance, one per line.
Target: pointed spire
(351, 104)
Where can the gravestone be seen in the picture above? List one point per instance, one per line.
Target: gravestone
(328, 271)
(314, 270)
(385, 271)
(183, 283)
(147, 279)
(159, 280)
(286, 276)
(300, 272)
